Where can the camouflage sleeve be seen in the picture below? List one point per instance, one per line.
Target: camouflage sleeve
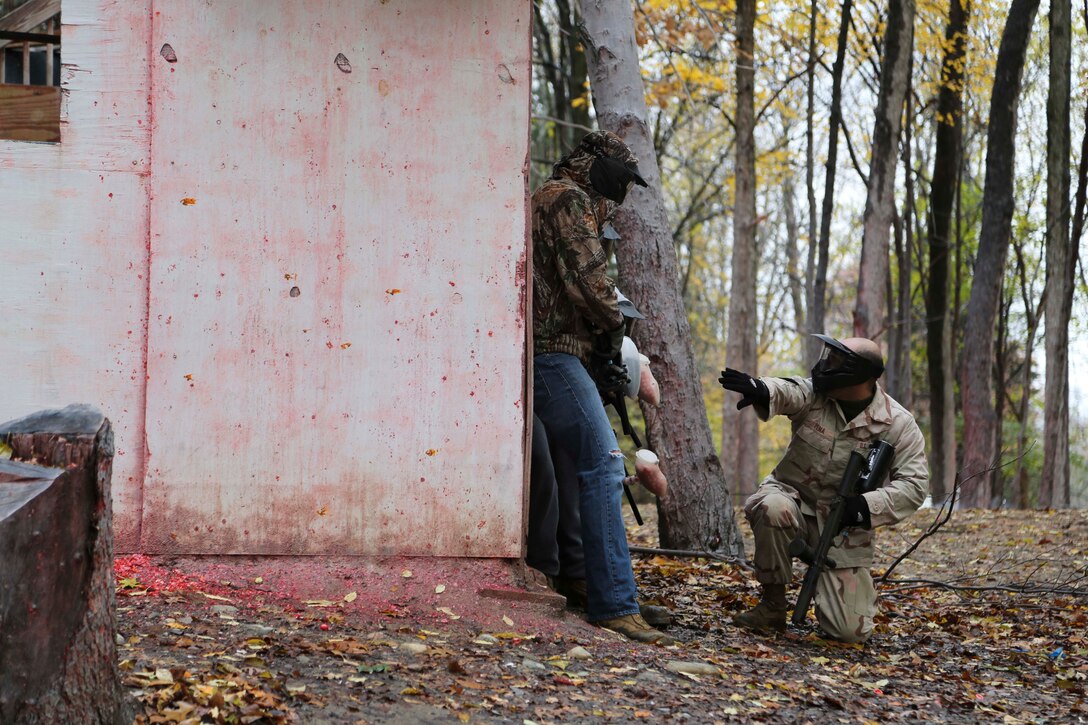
(908, 484)
(583, 263)
(789, 396)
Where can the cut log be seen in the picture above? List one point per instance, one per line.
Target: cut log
(58, 655)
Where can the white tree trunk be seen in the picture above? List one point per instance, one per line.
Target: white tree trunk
(871, 310)
(739, 427)
(697, 513)
(1054, 485)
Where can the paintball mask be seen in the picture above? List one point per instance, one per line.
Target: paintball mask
(840, 367)
(612, 178)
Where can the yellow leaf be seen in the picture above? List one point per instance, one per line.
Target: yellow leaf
(448, 612)
(509, 622)
(214, 596)
(407, 573)
(351, 596)
(440, 588)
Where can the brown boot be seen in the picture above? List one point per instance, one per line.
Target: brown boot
(769, 615)
(655, 614)
(633, 626)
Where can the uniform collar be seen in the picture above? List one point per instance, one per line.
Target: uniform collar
(879, 411)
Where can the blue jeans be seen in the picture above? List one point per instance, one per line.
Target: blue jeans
(568, 404)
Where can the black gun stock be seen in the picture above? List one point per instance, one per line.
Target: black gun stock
(862, 474)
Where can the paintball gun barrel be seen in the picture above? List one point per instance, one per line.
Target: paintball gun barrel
(862, 474)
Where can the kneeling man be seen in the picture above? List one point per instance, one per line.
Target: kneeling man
(841, 408)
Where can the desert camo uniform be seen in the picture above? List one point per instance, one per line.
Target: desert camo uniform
(797, 495)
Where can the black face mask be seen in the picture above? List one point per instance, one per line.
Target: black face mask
(841, 367)
(612, 178)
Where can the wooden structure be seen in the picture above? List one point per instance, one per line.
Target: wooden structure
(58, 658)
(29, 111)
(283, 246)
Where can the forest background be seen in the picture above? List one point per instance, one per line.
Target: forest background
(942, 218)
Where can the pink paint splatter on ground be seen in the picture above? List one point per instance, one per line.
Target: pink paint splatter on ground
(382, 591)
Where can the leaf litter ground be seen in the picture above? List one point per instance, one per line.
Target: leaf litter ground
(986, 622)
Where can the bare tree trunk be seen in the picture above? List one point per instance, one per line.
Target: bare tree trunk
(1054, 484)
(943, 192)
(793, 270)
(1001, 359)
(697, 513)
(979, 420)
(1033, 310)
(870, 311)
(739, 426)
(810, 346)
(900, 384)
(817, 306)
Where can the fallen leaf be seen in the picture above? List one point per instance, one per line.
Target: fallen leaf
(351, 596)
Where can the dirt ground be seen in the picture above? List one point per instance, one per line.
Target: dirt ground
(985, 622)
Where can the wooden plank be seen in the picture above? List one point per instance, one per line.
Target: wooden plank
(30, 113)
(28, 16)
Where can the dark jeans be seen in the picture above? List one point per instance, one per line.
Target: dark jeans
(554, 538)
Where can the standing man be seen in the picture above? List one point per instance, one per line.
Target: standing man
(841, 408)
(577, 334)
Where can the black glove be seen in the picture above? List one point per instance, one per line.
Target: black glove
(754, 390)
(856, 513)
(610, 378)
(607, 345)
(605, 367)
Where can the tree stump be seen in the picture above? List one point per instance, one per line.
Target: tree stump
(58, 618)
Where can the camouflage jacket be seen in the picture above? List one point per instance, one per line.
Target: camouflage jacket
(573, 296)
(813, 464)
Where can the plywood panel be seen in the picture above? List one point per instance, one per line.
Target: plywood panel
(336, 338)
(73, 241)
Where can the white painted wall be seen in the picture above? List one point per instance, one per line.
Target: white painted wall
(379, 410)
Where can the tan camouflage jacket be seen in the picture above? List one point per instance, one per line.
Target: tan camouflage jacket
(814, 462)
(573, 296)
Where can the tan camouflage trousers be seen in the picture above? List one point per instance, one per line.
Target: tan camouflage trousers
(845, 598)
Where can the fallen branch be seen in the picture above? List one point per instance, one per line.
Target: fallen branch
(1025, 589)
(945, 512)
(689, 554)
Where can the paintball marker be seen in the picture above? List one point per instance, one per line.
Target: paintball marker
(862, 474)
